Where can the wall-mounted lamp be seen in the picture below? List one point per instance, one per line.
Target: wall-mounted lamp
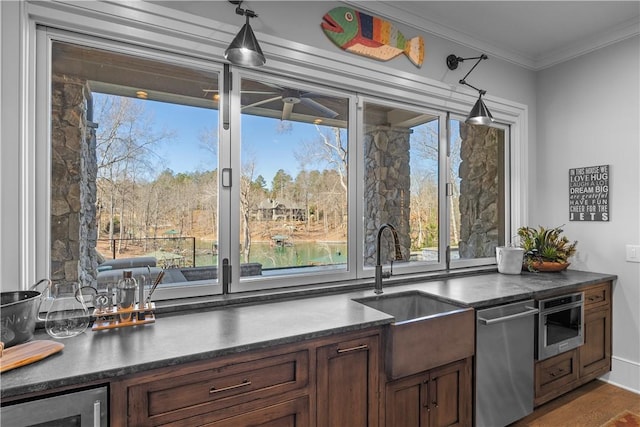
(244, 49)
(479, 114)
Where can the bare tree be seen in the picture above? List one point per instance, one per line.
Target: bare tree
(251, 193)
(426, 141)
(125, 140)
(329, 152)
(424, 212)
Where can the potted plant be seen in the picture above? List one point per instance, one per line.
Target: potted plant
(545, 249)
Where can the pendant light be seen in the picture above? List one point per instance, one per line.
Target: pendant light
(480, 114)
(244, 50)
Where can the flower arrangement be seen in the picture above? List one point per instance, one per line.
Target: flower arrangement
(545, 245)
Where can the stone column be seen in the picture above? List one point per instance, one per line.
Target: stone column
(73, 178)
(387, 182)
(479, 191)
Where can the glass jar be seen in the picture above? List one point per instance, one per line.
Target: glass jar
(127, 287)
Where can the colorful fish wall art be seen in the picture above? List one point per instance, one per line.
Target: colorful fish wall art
(370, 36)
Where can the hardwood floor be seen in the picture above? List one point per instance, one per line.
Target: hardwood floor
(591, 405)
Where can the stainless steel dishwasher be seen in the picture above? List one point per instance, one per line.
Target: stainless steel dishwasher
(504, 363)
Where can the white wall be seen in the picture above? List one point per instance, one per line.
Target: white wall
(9, 146)
(589, 115)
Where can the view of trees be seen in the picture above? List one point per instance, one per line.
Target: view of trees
(424, 186)
(135, 201)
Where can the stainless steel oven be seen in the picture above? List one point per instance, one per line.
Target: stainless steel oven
(560, 324)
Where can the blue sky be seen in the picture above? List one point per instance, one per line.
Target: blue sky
(272, 150)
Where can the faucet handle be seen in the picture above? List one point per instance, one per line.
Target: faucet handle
(387, 274)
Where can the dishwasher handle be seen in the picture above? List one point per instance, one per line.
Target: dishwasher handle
(530, 311)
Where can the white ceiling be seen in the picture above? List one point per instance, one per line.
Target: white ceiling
(532, 34)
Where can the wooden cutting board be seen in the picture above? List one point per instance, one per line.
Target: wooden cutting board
(29, 352)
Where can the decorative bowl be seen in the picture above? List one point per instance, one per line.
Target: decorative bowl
(546, 266)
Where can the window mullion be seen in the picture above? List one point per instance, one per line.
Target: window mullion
(444, 198)
(229, 203)
(356, 201)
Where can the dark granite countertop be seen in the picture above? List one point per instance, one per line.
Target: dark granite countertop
(207, 333)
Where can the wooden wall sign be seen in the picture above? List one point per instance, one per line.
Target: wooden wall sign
(370, 36)
(589, 193)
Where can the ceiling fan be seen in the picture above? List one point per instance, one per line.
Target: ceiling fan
(290, 98)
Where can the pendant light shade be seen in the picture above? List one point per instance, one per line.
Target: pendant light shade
(244, 49)
(480, 114)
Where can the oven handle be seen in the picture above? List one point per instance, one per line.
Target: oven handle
(562, 307)
(530, 311)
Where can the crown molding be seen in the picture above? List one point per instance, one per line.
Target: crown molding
(395, 13)
(625, 30)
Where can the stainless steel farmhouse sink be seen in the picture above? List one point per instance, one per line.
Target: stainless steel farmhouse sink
(409, 306)
(426, 332)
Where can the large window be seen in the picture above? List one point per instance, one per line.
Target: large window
(477, 193)
(230, 179)
(294, 215)
(402, 147)
(134, 173)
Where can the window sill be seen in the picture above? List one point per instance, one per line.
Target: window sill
(307, 291)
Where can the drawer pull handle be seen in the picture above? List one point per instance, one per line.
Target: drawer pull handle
(558, 372)
(244, 383)
(356, 348)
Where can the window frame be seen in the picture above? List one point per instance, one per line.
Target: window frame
(418, 266)
(46, 36)
(309, 276)
(508, 217)
(422, 92)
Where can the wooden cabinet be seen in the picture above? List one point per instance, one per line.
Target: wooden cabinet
(435, 398)
(564, 372)
(595, 354)
(213, 391)
(348, 375)
(556, 375)
(332, 381)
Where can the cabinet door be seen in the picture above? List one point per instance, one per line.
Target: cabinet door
(449, 395)
(347, 383)
(595, 354)
(406, 402)
(436, 398)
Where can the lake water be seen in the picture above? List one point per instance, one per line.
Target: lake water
(297, 254)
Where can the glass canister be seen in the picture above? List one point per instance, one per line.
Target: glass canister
(67, 314)
(127, 287)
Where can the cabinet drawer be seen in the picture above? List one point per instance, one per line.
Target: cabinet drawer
(294, 413)
(556, 372)
(597, 295)
(187, 395)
